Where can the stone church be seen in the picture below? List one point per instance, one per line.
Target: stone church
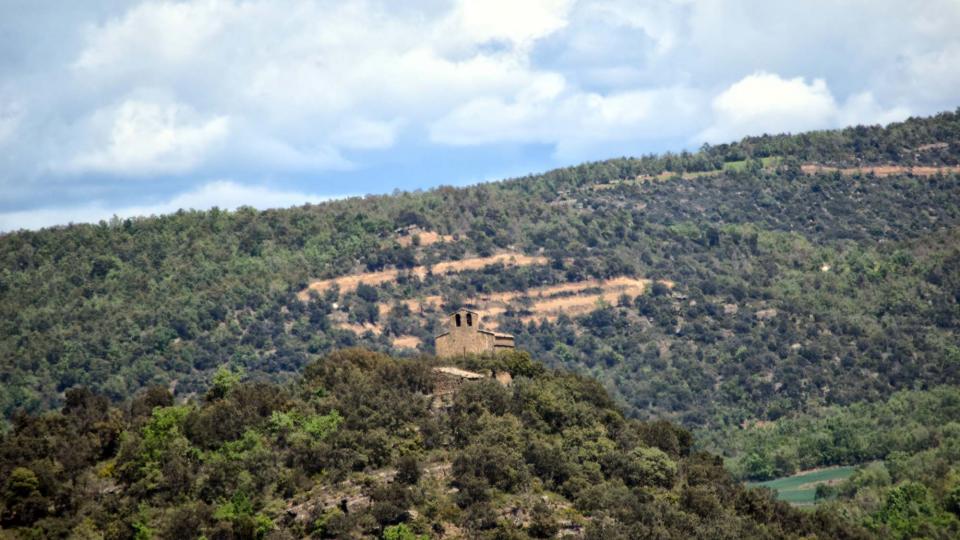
(466, 337)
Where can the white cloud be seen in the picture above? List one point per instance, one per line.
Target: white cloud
(312, 78)
(149, 138)
(153, 34)
(361, 133)
(575, 122)
(766, 103)
(223, 194)
(320, 77)
(863, 109)
(516, 21)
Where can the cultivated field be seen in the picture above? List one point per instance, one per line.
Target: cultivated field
(801, 488)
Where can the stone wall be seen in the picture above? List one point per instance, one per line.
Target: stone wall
(465, 337)
(503, 341)
(464, 341)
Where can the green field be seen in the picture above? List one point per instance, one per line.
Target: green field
(802, 488)
(768, 162)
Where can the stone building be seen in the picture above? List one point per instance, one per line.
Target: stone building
(466, 337)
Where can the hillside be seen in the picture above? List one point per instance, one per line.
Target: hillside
(354, 449)
(738, 283)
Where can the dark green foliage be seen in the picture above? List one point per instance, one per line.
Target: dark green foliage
(409, 470)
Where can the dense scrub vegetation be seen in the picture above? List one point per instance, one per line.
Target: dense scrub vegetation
(354, 449)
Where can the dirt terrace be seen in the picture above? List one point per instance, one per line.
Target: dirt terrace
(542, 303)
(350, 282)
(881, 170)
(551, 306)
(426, 238)
(810, 168)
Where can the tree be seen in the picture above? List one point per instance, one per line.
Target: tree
(408, 470)
(22, 501)
(401, 532)
(543, 524)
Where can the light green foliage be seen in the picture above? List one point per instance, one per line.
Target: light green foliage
(910, 511)
(752, 164)
(141, 527)
(164, 429)
(651, 467)
(250, 443)
(871, 475)
(239, 511)
(320, 525)
(282, 422)
(319, 426)
(223, 380)
(162, 440)
(21, 483)
(401, 532)
(587, 444)
(166, 424)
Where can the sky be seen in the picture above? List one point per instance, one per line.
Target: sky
(133, 108)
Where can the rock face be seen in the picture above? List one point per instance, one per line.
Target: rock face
(466, 337)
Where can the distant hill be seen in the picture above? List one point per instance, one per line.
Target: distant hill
(734, 284)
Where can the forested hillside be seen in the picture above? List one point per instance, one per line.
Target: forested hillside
(776, 274)
(354, 449)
